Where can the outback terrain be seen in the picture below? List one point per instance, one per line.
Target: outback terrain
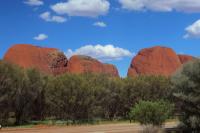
(107, 128)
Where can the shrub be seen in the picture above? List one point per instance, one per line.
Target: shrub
(151, 113)
(187, 85)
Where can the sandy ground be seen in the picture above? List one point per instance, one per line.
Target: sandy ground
(107, 128)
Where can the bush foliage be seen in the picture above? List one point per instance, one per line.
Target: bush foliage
(151, 113)
(187, 84)
(27, 95)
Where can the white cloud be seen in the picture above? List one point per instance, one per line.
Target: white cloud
(103, 53)
(34, 2)
(100, 24)
(193, 31)
(41, 37)
(162, 5)
(85, 8)
(47, 17)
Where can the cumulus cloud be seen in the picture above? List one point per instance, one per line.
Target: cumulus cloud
(193, 31)
(162, 5)
(34, 2)
(85, 8)
(41, 37)
(49, 18)
(100, 24)
(103, 53)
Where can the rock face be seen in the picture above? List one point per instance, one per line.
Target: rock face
(156, 61)
(185, 58)
(48, 60)
(111, 70)
(52, 61)
(132, 72)
(79, 64)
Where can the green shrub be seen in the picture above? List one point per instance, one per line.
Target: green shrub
(187, 85)
(151, 113)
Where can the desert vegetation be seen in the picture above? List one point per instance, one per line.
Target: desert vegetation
(187, 85)
(27, 95)
(151, 113)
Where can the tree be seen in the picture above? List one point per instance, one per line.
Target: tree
(21, 94)
(151, 113)
(147, 88)
(7, 74)
(36, 85)
(187, 85)
(29, 96)
(112, 99)
(71, 96)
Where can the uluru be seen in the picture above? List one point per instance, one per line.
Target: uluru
(157, 61)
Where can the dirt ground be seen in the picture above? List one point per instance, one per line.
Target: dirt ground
(107, 128)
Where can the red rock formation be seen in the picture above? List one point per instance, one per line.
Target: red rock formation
(156, 61)
(111, 70)
(52, 61)
(48, 60)
(84, 64)
(185, 58)
(132, 72)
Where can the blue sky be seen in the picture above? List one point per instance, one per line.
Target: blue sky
(116, 29)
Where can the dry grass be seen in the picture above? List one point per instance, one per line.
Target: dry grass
(152, 129)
